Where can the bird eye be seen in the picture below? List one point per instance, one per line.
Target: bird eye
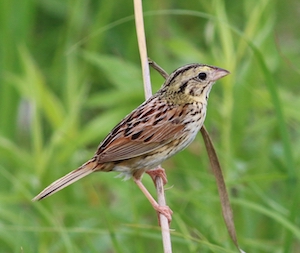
(202, 76)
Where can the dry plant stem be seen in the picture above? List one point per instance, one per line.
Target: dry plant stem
(159, 180)
(140, 31)
(138, 12)
(164, 223)
(225, 203)
(155, 66)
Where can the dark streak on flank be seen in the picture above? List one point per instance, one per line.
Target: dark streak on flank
(157, 115)
(147, 113)
(172, 117)
(145, 120)
(131, 116)
(158, 120)
(160, 107)
(136, 123)
(193, 113)
(127, 131)
(149, 138)
(116, 129)
(136, 135)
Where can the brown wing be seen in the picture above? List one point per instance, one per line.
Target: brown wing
(150, 126)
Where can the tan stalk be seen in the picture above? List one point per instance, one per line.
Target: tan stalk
(139, 21)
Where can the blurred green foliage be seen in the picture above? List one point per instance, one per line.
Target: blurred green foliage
(70, 71)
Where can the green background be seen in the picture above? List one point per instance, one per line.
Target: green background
(70, 71)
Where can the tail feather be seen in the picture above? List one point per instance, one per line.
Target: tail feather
(86, 169)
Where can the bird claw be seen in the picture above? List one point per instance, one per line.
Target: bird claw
(158, 172)
(165, 211)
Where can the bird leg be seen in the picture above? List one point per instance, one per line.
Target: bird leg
(164, 210)
(158, 172)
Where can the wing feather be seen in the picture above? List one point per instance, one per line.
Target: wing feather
(146, 129)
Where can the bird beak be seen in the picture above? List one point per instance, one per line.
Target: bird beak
(219, 73)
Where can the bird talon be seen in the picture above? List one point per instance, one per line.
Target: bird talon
(165, 211)
(158, 172)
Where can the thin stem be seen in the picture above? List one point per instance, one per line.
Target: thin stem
(138, 12)
(164, 223)
(140, 32)
(161, 71)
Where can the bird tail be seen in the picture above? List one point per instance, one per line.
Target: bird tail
(84, 170)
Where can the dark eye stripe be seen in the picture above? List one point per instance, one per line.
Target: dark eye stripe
(183, 86)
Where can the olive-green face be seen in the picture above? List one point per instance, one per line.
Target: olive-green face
(192, 83)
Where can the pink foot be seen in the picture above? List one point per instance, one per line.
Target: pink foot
(166, 211)
(158, 172)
